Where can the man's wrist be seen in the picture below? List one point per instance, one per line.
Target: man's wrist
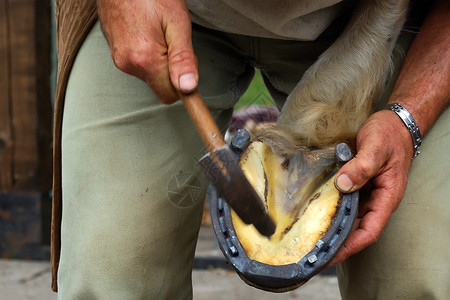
(410, 124)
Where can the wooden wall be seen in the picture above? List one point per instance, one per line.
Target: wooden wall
(25, 106)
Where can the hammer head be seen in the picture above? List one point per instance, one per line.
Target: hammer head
(231, 184)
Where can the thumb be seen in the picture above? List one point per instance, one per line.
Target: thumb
(182, 61)
(358, 171)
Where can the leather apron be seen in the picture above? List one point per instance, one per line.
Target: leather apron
(74, 19)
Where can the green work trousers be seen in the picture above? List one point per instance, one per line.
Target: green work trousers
(133, 193)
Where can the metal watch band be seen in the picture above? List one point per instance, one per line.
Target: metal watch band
(410, 123)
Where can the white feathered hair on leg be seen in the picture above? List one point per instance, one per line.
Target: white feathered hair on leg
(339, 91)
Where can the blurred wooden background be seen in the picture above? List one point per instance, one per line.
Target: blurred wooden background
(25, 106)
(25, 128)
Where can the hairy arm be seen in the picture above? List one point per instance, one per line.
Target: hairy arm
(152, 41)
(384, 144)
(423, 86)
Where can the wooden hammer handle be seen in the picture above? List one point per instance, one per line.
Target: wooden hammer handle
(203, 120)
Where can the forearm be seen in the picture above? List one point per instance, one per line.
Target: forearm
(423, 86)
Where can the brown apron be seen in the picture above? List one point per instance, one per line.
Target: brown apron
(74, 19)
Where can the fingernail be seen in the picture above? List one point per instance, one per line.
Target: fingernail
(343, 183)
(187, 82)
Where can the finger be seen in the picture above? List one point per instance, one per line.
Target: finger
(182, 61)
(158, 78)
(368, 233)
(364, 205)
(343, 251)
(369, 227)
(146, 60)
(358, 171)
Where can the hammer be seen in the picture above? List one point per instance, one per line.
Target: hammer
(221, 166)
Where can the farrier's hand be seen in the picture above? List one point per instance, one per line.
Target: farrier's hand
(383, 159)
(384, 144)
(151, 39)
